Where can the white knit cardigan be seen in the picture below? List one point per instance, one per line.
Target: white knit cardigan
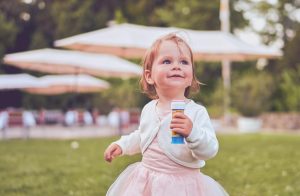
(200, 145)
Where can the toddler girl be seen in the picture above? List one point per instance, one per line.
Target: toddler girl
(166, 168)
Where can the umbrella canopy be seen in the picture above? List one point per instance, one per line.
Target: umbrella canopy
(58, 84)
(19, 81)
(73, 62)
(128, 40)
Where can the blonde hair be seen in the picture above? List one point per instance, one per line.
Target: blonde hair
(149, 58)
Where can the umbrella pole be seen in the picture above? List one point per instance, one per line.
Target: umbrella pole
(74, 91)
(226, 64)
(226, 69)
(76, 71)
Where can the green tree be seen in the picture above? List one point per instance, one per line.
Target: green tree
(280, 18)
(280, 24)
(140, 12)
(34, 22)
(289, 99)
(201, 15)
(8, 31)
(38, 41)
(288, 93)
(124, 93)
(74, 17)
(291, 58)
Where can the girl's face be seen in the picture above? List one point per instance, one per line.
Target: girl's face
(172, 67)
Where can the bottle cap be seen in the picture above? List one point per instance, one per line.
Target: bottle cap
(178, 105)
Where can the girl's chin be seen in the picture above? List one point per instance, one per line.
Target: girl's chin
(176, 83)
(173, 86)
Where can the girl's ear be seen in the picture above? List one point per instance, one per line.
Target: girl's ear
(148, 77)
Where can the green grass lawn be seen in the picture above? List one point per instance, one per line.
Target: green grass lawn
(247, 165)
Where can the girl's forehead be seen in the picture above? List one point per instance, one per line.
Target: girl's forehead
(168, 47)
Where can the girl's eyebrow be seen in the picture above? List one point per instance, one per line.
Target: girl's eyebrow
(183, 57)
(165, 57)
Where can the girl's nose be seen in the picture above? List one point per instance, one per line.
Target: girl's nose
(176, 66)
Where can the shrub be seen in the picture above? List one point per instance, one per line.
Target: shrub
(251, 93)
(289, 89)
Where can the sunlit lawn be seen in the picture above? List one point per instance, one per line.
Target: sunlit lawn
(247, 165)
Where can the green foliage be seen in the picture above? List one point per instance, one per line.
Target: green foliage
(251, 93)
(211, 91)
(202, 15)
(33, 22)
(73, 17)
(124, 93)
(288, 84)
(289, 88)
(208, 73)
(8, 32)
(119, 18)
(291, 58)
(279, 16)
(140, 12)
(216, 102)
(38, 41)
(52, 167)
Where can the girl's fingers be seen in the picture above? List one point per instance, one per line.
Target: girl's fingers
(107, 156)
(115, 153)
(179, 131)
(109, 152)
(179, 115)
(112, 151)
(179, 126)
(177, 121)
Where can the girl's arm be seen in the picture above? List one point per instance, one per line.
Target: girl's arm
(202, 140)
(130, 144)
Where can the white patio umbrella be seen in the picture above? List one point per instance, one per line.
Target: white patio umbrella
(58, 84)
(129, 40)
(73, 62)
(19, 81)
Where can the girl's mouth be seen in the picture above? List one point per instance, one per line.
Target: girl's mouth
(176, 76)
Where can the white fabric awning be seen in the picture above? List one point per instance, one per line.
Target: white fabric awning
(129, 40)
(73, 62)
(18, 81)
(57, 84)
(52, 84)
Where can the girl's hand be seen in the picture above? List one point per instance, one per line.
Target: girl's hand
(112, 151)
(181, 124)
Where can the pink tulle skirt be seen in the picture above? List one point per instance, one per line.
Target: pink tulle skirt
(157, 175)
(138, 180)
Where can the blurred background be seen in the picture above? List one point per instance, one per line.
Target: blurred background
(271, 86)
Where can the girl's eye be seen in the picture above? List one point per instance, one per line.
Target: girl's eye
(166, 61)
(184, 62)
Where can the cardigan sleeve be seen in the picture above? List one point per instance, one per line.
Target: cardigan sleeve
(202, 140)
(131, 144)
